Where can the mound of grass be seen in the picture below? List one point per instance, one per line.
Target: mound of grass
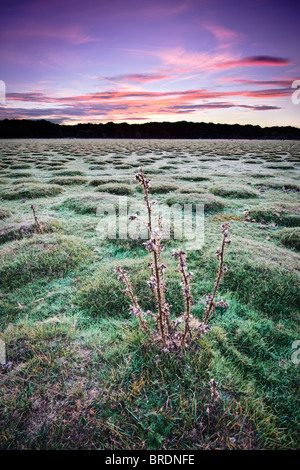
(20, 166)
(231, 157)
(211, 203)
(4, 213)
(153, 171)
(24, 180)
(192, 178)
(121, 189)
(281, 214)
(125, 166)
(233, 191)
(4, 181)
(168, 167)
(191, 188)
(25, 229)
(289, 237)
(23, 174)
(44, 256)
(53, 163)
(277, 166)
(88, 203)
(103, 295)
(97, 167)
(161, 188)
(278, 185)
(68, 181)
(30, 191)
(108, 180)
(69, 173)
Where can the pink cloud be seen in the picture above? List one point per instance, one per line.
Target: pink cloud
(142, 97)
(187, 61)
(139, 77)
(224, 35)
(123, 105)
(279, 82)
(255, 61)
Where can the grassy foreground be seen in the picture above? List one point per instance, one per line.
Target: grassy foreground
(82, 375)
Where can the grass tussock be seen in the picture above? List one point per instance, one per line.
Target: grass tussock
(283, 185)
(280, 214)
(233, 191)
(20, 166)
(19, 175)
(38, 257)
(101, 180)
(69, 173)
(192, 178)
(30, 191)
(289, 237)
(211, 203)
(161, 188)
(4, 213)
(121, 189)
(68, 181)
(103, 295)
(89, 203)
(27, 229)
(25, 181)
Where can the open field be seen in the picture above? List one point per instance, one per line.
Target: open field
(81, 375)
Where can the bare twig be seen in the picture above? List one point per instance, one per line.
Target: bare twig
(38, 225)
(211, 304)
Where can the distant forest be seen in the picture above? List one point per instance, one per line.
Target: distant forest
(13, 128)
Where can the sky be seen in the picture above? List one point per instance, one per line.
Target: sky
(161, 60)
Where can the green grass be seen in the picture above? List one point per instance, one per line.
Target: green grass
(40, 256)
(30, 191)
(69, 173)
(68, 180)
(4, 213)
(192, 177)
(282, 214)
(162, 188)
(289, 237)
(211, 203)
(89, 203)
(20, 166)
(103, 294)
(83, 375)
(19, 174)
(233, 191)
(121, 189)
(25, 229)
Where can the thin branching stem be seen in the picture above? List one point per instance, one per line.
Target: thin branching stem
(38, 226)
(221, 271)
(136, 309)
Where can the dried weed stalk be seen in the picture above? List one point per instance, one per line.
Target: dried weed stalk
(38, 225)
(177, 334)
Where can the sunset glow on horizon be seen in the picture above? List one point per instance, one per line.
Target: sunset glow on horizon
(200, 60)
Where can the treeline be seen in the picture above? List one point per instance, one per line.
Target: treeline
(25, 128)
